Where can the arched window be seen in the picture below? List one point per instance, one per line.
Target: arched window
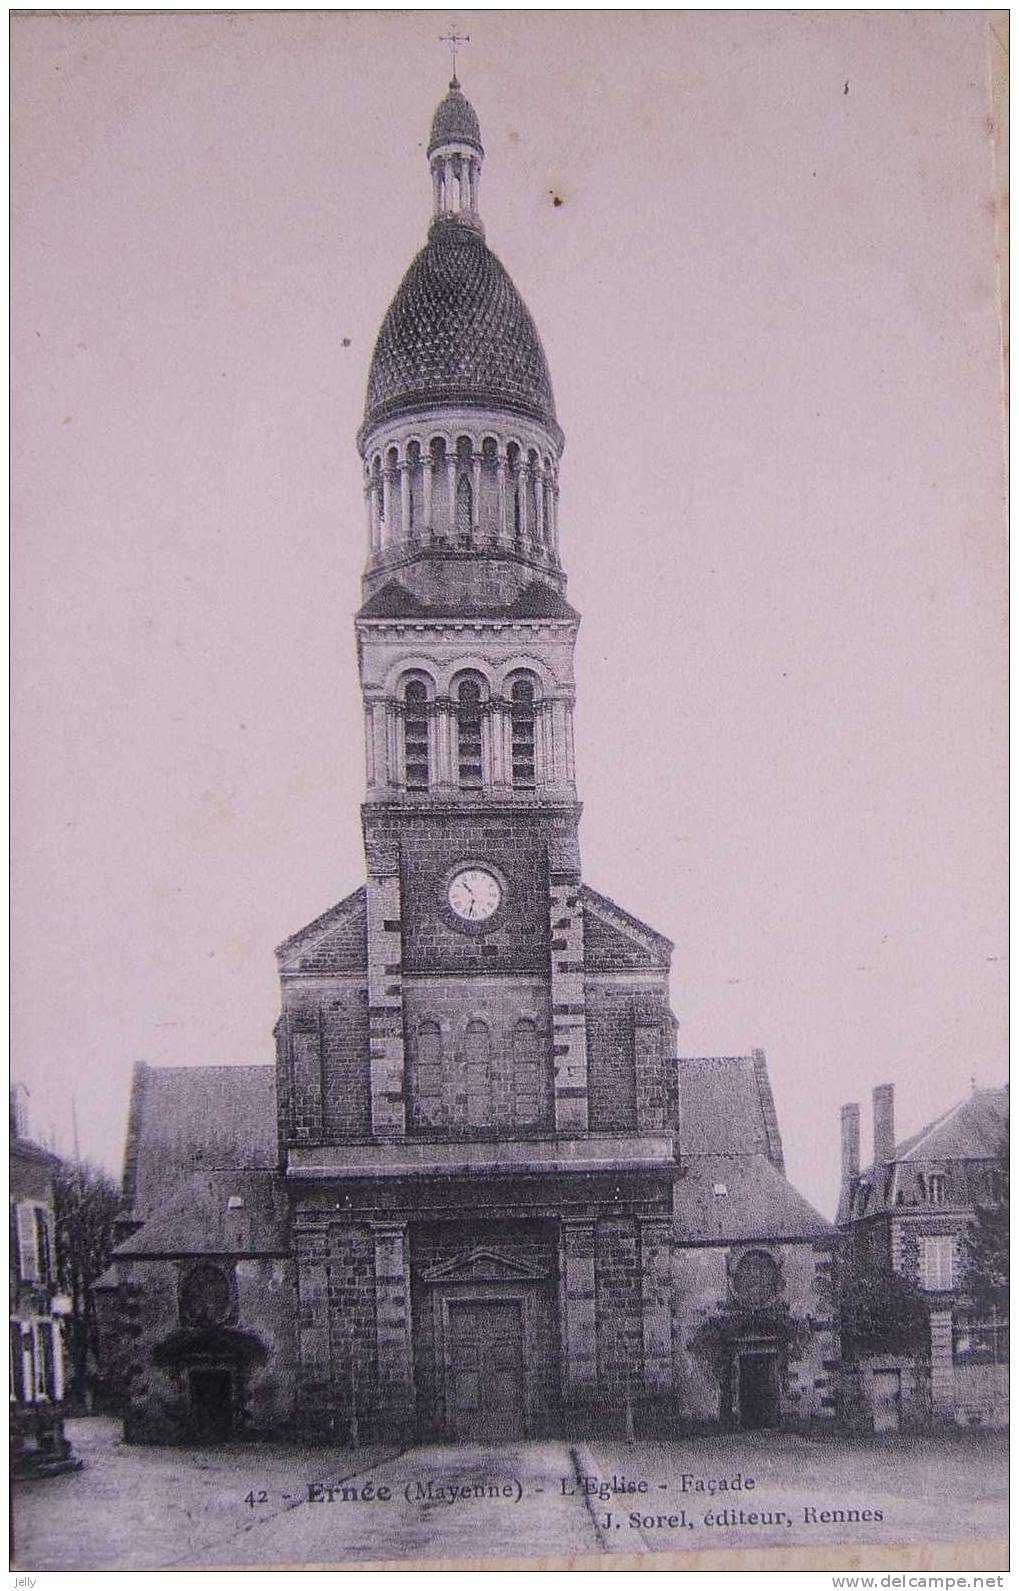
(477, 1074)
(522, 721)
(527, 1093)
(468, 725)
(415, 734)
(204, 1296)
(464, 507)
(426, 1094)
(756, 1280)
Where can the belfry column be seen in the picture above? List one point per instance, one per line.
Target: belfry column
(475, 492)
(404, 468)
(426, 488)
(500, 489)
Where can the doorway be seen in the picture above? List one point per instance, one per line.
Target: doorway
(485, 1369)
(758, 1391)
(212, 1404)
(887, 1399)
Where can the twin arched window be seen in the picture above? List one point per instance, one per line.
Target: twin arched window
(468, 713)
(522, 720)
(415, 734)
(468, 723)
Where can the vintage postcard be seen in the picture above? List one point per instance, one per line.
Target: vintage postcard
(509, 820)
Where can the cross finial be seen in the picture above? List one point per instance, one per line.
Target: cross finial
(453, 38)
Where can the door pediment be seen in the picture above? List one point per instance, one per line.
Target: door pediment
(483, 1265)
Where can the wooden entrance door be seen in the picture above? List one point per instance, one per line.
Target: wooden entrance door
(212, 1404)
(758, 1391)
(485, 1369)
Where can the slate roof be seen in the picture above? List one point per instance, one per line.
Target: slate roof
(971, 1130)
(189, 1119)
(198, 1219)
(458, 332)
(455, 121)
(758, 1203)
(536, 601)
(726, 1107)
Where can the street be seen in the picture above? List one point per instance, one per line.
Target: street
(262, 1504)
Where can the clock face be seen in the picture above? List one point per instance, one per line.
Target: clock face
(474, 894)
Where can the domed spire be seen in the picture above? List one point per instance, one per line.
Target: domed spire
(455, 154)
(455, 121)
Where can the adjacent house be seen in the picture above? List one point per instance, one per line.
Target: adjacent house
(916, 1211)
(38, 1443)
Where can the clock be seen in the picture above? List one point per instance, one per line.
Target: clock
(474, 894)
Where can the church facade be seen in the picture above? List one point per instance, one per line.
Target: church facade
(478, 1195)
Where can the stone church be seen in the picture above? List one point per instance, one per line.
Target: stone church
(478, 1195)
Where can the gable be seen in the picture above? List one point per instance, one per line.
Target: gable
(615, 941)
(335, 942)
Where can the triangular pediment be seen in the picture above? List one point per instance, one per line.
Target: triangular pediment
(334, 942)
(483, 1265)
(615, 939)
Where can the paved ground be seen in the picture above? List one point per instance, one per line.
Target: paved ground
(138, 1507)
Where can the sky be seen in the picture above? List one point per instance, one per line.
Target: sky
(767, 295)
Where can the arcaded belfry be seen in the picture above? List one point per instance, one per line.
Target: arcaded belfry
(478, 1196)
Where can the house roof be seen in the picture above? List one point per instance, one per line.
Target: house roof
(757, 1204)
(188, 1119)
(971, 1130)
(726, 1107)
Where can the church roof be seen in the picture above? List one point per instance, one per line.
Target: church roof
(455, 121)
(458, 332)
(726, 1107)
(536, 601)
(741, 1199)
(189, 1119)
(216, 1212)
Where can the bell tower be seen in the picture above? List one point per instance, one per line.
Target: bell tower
(465, 649)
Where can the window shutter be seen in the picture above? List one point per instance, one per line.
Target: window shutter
(44, 1243)
(28, 1251)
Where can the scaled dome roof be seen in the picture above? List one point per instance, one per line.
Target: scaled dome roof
(455, 121)
(458, 332)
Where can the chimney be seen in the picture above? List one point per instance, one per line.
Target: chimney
(850, 1143)
(884, 1125)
